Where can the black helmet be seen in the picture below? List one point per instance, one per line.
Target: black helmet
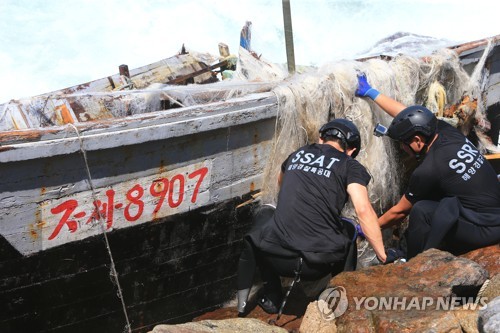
(345, 130)
(413, 120)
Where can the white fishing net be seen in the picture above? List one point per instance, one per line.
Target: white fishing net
(305, 102)
(146, 91)
(253, 67)
(58, 110)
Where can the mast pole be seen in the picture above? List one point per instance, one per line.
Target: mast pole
(287, 20)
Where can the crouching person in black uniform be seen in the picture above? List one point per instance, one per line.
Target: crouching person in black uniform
(453, 196)
(306, 228)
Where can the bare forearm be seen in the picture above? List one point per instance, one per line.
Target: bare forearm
(389, 105)
(390, 218)
(371, 229)
(396, 214)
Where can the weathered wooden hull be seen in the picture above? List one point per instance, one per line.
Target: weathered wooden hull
(169, 271)
(491, 91)
(470, 54)
(167, 188)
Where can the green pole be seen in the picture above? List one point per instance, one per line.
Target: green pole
(287, 20)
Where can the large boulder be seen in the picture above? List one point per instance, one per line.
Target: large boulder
(235, 325)
(418, 296)
(487, 257)
(314, 322)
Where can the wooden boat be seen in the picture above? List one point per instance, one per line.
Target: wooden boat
(152, 198)
(120, 215)
(470, 54)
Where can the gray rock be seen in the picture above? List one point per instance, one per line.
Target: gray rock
(489, 317)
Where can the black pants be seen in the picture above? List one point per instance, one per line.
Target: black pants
(448, 226)
(283, 262)
(272, 267)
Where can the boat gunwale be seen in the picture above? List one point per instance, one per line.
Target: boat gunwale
(51, 141)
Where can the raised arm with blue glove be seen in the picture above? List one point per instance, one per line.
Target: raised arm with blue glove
(389, 105)
(364, 88)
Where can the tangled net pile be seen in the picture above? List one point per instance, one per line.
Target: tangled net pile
(307, 101)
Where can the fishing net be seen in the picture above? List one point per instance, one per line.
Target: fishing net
(58, 110)
(147, 90)
(307, 101)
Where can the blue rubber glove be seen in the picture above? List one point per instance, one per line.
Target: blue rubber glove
(364, 88)
(393, 255)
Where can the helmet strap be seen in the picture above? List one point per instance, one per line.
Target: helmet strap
(344, 145)
(420, 155)
(339, 135)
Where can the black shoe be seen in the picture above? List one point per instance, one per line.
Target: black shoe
(267, 305)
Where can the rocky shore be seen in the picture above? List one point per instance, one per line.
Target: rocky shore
(434, 292)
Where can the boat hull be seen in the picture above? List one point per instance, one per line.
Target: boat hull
(169, 209)
(169, 270)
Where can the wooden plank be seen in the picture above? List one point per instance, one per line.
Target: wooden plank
(183, 78)
(149, 198)
(41, 112)
(134, 130)
(142, 76)
(461, 48)
(494, 160)
(37, 196)
(492, 156)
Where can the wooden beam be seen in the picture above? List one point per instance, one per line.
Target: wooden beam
(137, 129)
(494, 160)
(124, 70)
(110, 79)
(492, 156)
(196, 73)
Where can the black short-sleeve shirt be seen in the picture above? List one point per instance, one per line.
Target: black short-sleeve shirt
(312, 195)
(453, 166)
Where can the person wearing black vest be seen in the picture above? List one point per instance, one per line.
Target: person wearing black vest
(453, 195)
(315, 183)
